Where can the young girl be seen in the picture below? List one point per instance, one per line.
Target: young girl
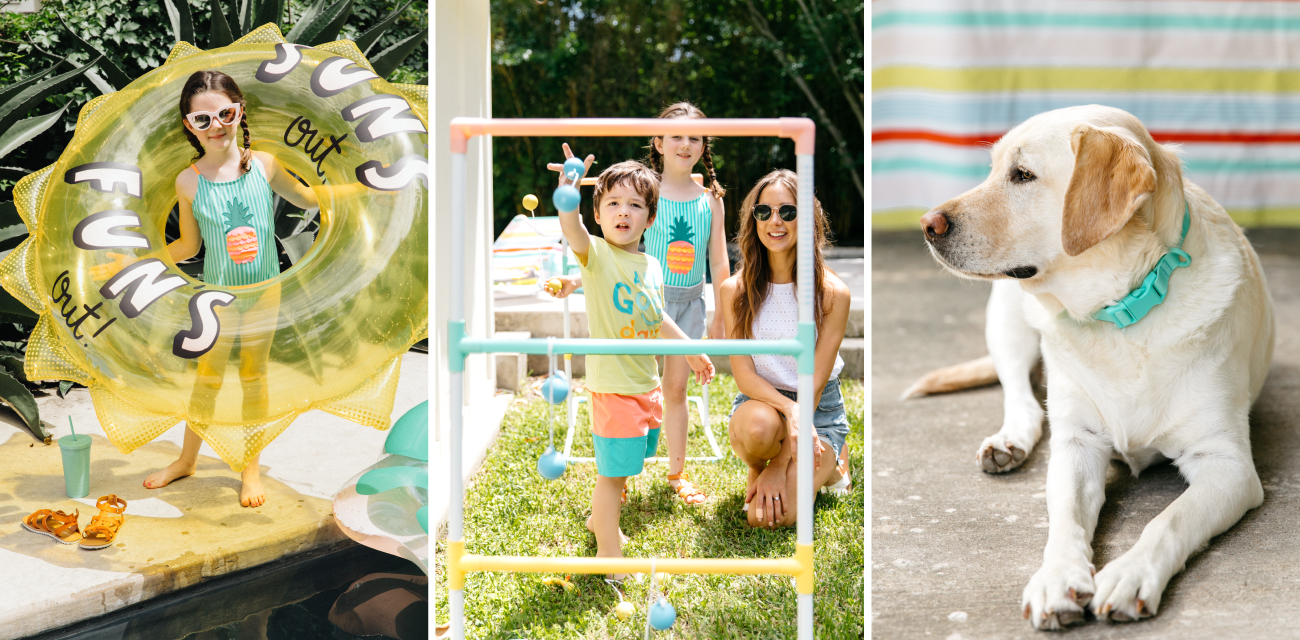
(761, 303)
(688, 227)
(228, 191)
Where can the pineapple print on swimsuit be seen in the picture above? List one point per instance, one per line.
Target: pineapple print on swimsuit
(235, 221)
(679, 238)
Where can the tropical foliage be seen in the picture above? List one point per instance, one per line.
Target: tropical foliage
(53, 62)
(732, 58)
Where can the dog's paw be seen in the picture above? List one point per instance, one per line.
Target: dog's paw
(1128, 588)
(1057, 594)
(999, 454)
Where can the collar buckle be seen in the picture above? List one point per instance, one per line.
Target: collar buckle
(1138, 303)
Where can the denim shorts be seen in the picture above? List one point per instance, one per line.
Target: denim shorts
(830, 420)
(685, 305)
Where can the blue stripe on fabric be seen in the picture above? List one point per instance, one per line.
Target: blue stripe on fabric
(970, 19)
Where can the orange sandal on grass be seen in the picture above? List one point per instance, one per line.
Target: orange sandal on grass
(55, 524)
(686, 490)
(103, 528)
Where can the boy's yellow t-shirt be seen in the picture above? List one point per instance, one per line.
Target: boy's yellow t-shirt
(625, 293)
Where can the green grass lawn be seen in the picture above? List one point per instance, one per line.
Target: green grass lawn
(511, 510)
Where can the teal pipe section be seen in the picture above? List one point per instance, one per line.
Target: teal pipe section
(580, 346)
(456, 345)
(807, 338)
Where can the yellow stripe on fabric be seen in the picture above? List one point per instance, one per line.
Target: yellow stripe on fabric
(909, 219)
(1019, 79)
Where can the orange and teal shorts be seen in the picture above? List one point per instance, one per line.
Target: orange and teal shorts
(625, 430)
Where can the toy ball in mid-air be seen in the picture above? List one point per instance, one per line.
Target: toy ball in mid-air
(530, 202)
(574, 168)
(662, 614)
(552, 464)
(624, 610)
(555, 388)
(566, 198)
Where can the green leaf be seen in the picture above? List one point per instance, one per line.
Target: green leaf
(104, 87)
(320, 23)
(178, 11)
(12, 90)
(424, 81)
(368, 39)
(245, 18)
(269, 11)
(297, 245)
(116, 76)
(28, 99)
(219, 35)
(391, 58)
(24, 130)
(16, 396)
(64, 387)
(11, 310)
(13, 365)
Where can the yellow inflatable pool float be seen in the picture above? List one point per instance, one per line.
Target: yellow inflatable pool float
(348, 308)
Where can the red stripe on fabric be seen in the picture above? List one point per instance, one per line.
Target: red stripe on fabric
(1163, 137)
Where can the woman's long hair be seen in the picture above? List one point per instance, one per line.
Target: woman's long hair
(756, 274)
(211, 80)
(656, 159)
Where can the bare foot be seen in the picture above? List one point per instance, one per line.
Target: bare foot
(251, 494)
(164, 477)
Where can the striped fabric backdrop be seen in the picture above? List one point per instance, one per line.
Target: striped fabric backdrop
(1220, 78)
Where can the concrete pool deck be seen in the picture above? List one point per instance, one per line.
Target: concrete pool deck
(952, 547)
(181, 534)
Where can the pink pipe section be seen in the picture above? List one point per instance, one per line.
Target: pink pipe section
(801, 130)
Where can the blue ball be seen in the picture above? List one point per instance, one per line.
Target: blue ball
(566, 198)
(552, 464)
(574, 168)
(555, 389)
(662, 615)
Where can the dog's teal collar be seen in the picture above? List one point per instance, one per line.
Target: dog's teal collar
(1137, 304)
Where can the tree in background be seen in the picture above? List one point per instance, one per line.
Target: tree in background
(732, 58)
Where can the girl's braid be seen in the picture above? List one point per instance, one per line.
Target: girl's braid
(708, 164)
(656, 158)
(246, 157)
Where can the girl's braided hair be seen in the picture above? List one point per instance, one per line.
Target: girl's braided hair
(211, 80)
(687, 110)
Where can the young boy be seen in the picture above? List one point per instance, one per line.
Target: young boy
(624, 300)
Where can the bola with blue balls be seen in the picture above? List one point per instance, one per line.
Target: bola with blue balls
(552, 464)
(574, 168)
(556, 388)
(662, 614)
(566, 198)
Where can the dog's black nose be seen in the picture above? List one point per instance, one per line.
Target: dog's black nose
(935, 224)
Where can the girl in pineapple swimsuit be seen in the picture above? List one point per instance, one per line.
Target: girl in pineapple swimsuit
(687, 228)
(225, 202)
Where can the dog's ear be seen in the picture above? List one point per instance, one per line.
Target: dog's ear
(1112, 178)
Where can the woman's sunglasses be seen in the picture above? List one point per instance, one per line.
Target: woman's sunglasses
(225, 116)
(787, 212)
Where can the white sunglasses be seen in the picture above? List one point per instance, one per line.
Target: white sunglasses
(226, 116)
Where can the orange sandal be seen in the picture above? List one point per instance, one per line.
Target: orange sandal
(686, 489)
(104, 527)
(55, 524)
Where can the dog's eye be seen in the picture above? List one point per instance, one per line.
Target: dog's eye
(1020, 174)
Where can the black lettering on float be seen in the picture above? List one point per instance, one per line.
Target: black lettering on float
(205, 326)
(336, 74)
(105, 230)
(286, 59)
(312, 145)
(385, 115)
(60, 296)
(396, 177)
(105, 177)
(143, 286)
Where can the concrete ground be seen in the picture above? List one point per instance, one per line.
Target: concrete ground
(176, 536)
(952, 547)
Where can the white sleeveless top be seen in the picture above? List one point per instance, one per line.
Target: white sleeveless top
(778, 319)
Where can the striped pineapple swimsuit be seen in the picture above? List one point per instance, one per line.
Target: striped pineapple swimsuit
(235, 221)
(679, 239)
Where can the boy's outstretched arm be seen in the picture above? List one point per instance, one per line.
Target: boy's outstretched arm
(700, 364)
(571, 221)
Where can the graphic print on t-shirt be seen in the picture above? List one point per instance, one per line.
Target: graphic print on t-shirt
(636, 302)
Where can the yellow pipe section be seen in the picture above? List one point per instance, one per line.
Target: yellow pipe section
(455, 564)
(803, 553)
(535, 564)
